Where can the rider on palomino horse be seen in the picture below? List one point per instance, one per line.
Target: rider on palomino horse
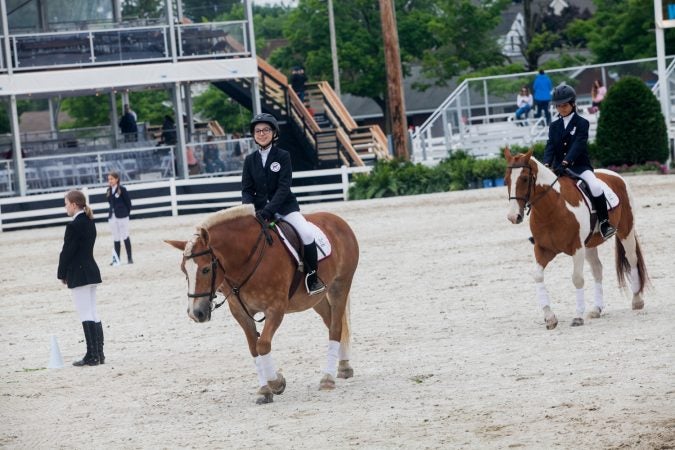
(266, 183)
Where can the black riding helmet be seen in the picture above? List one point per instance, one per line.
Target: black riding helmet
(268, 119)
(564, 94)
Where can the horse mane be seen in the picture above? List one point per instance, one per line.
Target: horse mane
(227, 214)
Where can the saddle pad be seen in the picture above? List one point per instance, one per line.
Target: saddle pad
(610, 195)
(322, 243)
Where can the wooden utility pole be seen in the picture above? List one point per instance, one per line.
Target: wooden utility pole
(396, 101)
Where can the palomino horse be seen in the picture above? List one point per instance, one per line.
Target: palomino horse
(560, 223)
(233, 254)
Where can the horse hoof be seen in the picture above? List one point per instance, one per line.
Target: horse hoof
(277, 386)
(551, 323)
(594, 313)
(345, 370)
(327, 383)
(638, 303)
(577, 322)
(264, 399)
(266, 396)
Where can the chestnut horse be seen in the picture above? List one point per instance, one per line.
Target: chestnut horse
(232, 253)
(560, 223)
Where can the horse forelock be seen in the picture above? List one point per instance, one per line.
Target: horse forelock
(188, 247)
(225, 215)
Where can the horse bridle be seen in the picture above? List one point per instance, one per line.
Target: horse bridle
(531, 178)
(235, 288)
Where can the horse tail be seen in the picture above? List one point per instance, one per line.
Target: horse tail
(346, 336)
(623, 266)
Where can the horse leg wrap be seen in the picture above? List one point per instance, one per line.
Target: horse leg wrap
(267, 367)
(581, 304)
(262, 381)
(332, 359)
(542, 295)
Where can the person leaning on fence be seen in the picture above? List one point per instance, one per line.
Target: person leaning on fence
(128, 125)
(266, 183)
(212, 161)
(598, 92)
(524, 103)
(567, 148)
(119, 210)
(79, 271)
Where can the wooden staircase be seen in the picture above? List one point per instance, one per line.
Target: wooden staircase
(328, 134)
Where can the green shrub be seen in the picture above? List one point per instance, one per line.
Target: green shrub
(459, 166)
(538, 149)
(631, 127)
(489, 169)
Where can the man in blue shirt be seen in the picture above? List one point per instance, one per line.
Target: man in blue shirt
(542, 88)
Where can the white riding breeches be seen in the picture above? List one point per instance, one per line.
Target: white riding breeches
(589, 177)
(84, 298)
(119, 227)
(301, 225)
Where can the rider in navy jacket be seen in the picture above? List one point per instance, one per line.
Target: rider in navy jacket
(266, 183)
(567, 148)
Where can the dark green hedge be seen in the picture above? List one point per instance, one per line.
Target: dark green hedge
(631, 127)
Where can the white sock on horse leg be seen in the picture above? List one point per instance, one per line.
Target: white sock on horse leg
(634, 280)
(598, 297)
(332, 359)
(542, 295)
(581, 304)
(267, 366)
(262, 381)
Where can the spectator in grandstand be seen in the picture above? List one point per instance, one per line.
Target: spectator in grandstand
(598, 92)
(542, 87)
(119, 210)
(524, 103)
(78, 270)
(168, 131)
(298, 80)
(128, 125)
(212, 161)
(194, 168)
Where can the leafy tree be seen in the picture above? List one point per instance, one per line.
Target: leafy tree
(451, 35)
(545, 31)
(462, 38)
(616, 32)
(214, 104)
(624, 137)
(142, 9)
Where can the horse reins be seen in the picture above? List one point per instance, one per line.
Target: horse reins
(530, 183)
(234, 287)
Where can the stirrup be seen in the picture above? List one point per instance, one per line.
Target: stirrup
(317, 287)
(609, 230)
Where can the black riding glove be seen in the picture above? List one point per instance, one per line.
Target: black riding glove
(561, 169)
(263, 215)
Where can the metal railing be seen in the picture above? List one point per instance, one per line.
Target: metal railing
(170, 197)
(478, 116)
(95, 47)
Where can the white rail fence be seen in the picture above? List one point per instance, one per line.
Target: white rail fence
(170, 197)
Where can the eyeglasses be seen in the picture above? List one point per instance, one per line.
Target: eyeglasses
(262, 131)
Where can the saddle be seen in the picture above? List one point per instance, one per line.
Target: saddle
(610, 195)
(296, 251)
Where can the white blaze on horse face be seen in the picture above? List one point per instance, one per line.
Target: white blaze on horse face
(191, 272)
(514, 208)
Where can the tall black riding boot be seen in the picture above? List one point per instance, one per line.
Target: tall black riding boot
(606, 229)
(118, 247)
(99, 342)
(312, 282)
(127, 246)
(91, 357)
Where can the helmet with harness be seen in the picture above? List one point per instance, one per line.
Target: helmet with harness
(268, 119)
(564, 94)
